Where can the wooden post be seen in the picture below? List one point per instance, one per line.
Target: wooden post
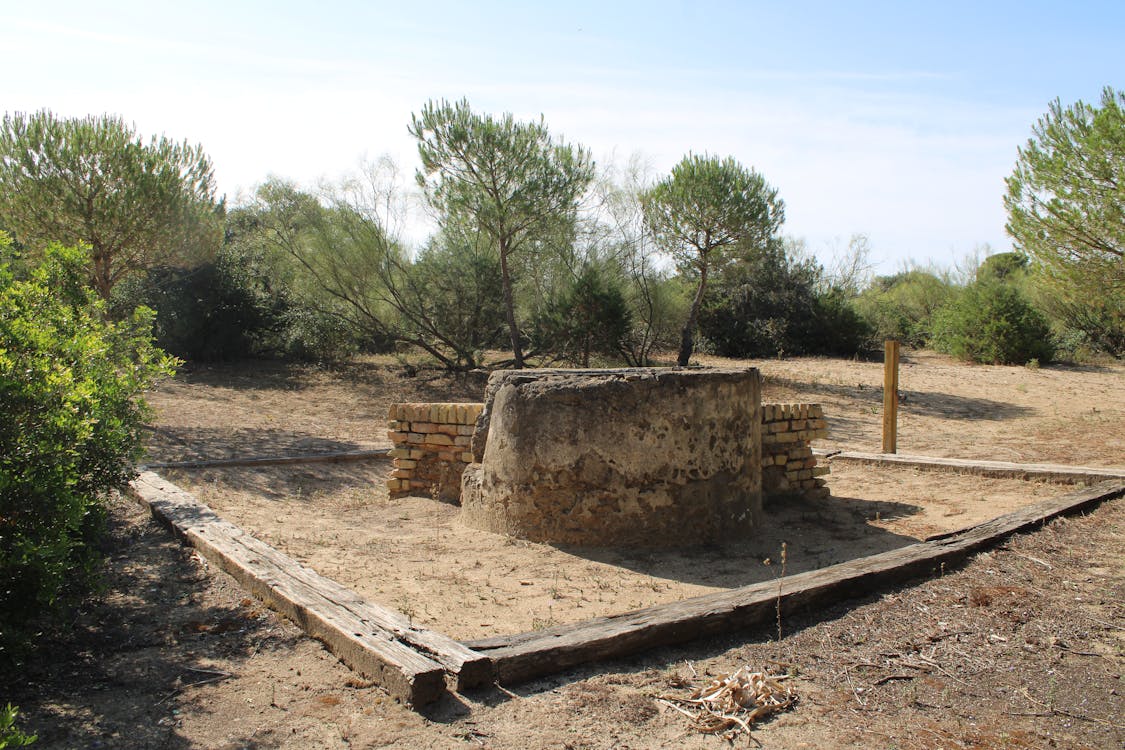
(890, 396)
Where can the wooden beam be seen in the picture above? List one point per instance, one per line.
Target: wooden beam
(381, 644)
(890, 396)
(307, 458)
(527, 655)
(997, 469)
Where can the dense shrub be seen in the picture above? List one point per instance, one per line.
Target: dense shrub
(231, 308)
(69, 433)
(769, 305)
(902, 306)
(10, 734)
(1006, 267)
(590, 316)
(452, 298)
(991, 322)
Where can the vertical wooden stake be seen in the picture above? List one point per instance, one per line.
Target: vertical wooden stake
(890, 396)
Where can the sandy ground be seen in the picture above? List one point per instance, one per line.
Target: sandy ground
(1022, 648)
(1065, 414)
(412, 554)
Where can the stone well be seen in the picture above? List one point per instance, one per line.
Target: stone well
(634, 457)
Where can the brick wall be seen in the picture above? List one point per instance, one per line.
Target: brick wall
(431, 447)
(788, 463)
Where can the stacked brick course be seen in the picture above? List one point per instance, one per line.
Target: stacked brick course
(788, 464)
(431, 447)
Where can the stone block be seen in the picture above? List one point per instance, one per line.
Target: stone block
(623, 458)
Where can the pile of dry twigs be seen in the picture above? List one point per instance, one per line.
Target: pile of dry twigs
(732, 704)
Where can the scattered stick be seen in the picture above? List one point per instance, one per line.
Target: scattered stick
(504, 690)
(731, 705)
(893, 677)
(1044, 563)
(1070, 714)
(217, 676)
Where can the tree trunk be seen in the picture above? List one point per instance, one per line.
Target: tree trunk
(510, 307)
(102, 282)
(687, 344)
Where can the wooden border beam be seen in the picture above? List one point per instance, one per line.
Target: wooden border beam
(997, 469)
(527, 655)
(410, 662)
(307, 458)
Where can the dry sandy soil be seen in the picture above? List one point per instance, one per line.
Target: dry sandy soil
(1023, 647)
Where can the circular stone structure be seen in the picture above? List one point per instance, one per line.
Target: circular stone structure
(639, 457)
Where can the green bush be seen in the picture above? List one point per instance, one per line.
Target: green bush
(902, 306)
(10, 734)
(69, 433)
(231, 308)
(453, 299)
(770, 305)
(992, 323)
(590, 316)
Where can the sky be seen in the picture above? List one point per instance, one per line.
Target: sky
(897, 120)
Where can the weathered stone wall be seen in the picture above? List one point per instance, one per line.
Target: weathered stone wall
(788, 463)
(633, 457)
(431, 448)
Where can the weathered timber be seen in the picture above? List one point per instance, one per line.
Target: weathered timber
(305, 458)
(351, 628)
(890, 396)
(999, 469)
(527, 655)
(469, 668)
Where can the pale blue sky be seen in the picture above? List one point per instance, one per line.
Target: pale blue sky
(898, 120)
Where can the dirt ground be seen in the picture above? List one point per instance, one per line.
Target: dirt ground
(1023, 647)
(1065, 414)
(411, 554)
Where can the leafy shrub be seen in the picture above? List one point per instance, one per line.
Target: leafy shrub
(657, 306)
(69, 432)
(453, 299)
(590, 316)
(10, 734)
(902, 306)
(231, 308)
(1007, 267)
(991, 322)
(769, 305)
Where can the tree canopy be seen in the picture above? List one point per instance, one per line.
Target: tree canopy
(704, 209)
(509, 179)
(1066, 210)
(93, 180)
